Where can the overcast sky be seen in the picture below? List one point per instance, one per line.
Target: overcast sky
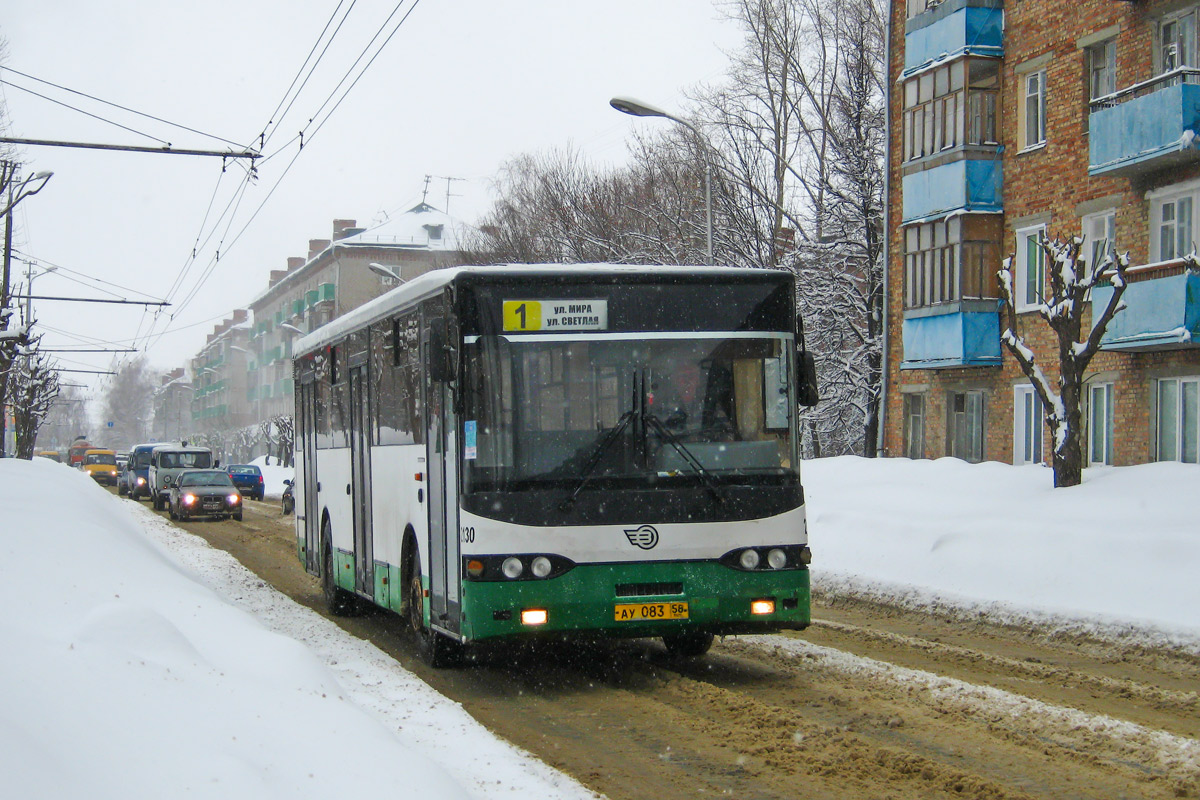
(461, 86)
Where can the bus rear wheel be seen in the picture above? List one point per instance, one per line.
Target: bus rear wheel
(688, 645)
(340, 602)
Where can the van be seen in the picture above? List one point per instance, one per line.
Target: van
(166, 464)
(101, 465)
(135, 478)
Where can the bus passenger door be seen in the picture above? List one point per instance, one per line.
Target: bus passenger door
(308, 476)
(443, 523)
(360, 479)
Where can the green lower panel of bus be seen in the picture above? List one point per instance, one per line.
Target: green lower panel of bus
(636, 600)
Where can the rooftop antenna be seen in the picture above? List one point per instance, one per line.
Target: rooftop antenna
(448, 179)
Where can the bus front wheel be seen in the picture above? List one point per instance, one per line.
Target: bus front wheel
(435, 649)
(340, 602)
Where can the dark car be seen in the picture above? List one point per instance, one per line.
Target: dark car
(248, 479)
(204, 493)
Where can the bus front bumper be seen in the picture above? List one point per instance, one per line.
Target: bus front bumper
(639, 600)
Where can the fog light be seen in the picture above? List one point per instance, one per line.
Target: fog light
(512, 567)
(749, 559)
(805, 556)
(533, 616)
(777, 559)
(762, 606)
(540, 567)
(474, 568)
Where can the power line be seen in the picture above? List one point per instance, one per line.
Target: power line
(114, 105)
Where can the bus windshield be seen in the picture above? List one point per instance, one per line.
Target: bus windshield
(101, 458)
(626, 410)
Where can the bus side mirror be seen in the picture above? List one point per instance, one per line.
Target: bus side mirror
(807, 379)
(439, 356)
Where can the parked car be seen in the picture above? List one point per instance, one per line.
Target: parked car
(50, 454)
(135, 479)
(288, 499)
(248, 479)
(204, 493)
(101, 465)
(167, 462)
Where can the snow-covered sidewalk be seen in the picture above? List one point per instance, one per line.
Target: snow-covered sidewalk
(141, 663)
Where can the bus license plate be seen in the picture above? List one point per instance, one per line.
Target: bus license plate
(638, 612)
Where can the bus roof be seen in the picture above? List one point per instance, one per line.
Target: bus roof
(431, 283)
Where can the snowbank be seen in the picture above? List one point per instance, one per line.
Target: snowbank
(1122, 549)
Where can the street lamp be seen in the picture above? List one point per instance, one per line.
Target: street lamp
(287, 326)
(29, 288)
(637, 108)
(25, 189)
(387, 272)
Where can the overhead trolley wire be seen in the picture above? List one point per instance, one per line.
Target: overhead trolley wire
(114, 105)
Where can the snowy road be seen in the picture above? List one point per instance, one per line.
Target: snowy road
(872, 701)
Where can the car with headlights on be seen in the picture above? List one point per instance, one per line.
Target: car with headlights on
(204, 493)
(101, 465)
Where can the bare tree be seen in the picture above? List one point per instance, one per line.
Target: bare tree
(66, 418)
(285, 430)
(127, 403)
(34, 387)
(1070, 282)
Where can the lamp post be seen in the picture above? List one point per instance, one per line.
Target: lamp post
(385, 271)
(30, 275)
(637, 108)
(287, 326)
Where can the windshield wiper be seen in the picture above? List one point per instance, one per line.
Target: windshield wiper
(597, 454)
(687, 456)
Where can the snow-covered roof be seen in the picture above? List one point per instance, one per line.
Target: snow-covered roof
(430, 283)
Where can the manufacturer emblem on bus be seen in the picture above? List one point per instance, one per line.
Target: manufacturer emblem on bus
(644, 537)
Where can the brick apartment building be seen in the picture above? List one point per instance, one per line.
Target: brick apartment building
(1015, 118)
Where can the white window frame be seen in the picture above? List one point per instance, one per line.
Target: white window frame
(1178, 397)
(1028, 421)
(1027, 245)
(1101, 410)
(1033, 110)
(1176, 39)
(1099, 234)
(1172, 225)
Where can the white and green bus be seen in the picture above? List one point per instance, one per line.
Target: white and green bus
(553, 451)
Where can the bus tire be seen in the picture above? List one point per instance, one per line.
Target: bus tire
(436, 650)
(340, 602)
(688, 645)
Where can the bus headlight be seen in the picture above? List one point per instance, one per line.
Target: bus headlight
(533, 616)
(776, 559)
(512, 567)
(748, 559)
(762, 607)
(540, 567)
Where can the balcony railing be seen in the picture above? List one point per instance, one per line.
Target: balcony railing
(1162, 308)
(1151, 125)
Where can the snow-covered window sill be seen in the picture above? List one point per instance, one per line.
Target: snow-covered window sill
(1032, 148)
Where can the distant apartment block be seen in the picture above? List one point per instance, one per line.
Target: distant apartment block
(1012, 119)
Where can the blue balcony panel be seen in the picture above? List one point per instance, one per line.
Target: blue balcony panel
(1151, 132)
(966, 335)
(969, 185)
(952, 29)
(1160, 314)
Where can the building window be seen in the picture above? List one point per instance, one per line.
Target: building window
(964, 427)
(1101, 60)
(1028, 414)
(1031, 268)
(1173, 220)
(1099, 235)
(951, 260)
(1177, 41)
(1100, 424)
(1178, 419)
(1033, 110)
(914, 425)
(940, 114)
(916, 7)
